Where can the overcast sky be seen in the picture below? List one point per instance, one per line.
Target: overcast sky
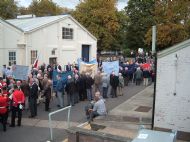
(70, 3)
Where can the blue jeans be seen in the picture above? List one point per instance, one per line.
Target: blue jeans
(93, 114)
(89, 94)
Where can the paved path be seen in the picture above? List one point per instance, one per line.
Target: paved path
(36, 130)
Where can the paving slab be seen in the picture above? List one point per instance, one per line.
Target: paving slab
(143, 98)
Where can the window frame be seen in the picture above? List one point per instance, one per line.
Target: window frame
(67, 33)
(33, 56)
(11, 58)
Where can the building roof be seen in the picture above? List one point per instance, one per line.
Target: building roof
(174, 48)
(31, 24)
(4, 21)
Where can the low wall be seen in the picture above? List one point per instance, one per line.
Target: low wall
(76, 134)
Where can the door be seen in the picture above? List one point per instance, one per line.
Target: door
(52, 60)
(85, 52)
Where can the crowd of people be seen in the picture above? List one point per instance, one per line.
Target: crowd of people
(19, 95)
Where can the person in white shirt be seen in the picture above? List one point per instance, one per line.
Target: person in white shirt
(9, 72)
(99, 107)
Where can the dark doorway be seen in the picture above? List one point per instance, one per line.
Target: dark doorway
(52, 60)
(85, 52)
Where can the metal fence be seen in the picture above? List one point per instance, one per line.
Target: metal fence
(50, 120)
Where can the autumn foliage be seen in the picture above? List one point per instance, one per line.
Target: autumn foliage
(172, 20)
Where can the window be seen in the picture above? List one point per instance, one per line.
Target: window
(67, 33)
(53, 52)
(12, 58)
(33, 55)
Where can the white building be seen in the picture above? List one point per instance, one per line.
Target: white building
(172, 105)
(54, 39)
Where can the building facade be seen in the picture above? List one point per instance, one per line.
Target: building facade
(173, 90)
(52, 39)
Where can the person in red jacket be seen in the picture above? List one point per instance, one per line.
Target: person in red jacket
(5, 94)
(18, 99)
(3, 110)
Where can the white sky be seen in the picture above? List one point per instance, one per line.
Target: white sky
(70, 3)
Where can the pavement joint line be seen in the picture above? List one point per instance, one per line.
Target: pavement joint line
(37, 122)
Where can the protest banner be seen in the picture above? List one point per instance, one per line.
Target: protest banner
(79, 60)
(90, 68)
(1, 74)
(64, 76)
(108, 67)
(20, 72)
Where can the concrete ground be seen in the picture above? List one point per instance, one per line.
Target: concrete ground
(126, 119)
(37, 129)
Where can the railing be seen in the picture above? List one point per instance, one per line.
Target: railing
(50, 121)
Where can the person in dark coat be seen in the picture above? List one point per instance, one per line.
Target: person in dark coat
(76, 90)
(70, 86)
(50, 73)
(126, 77)
(114, 82)
(82, 88)
(47, 94)
(33, 98)
(89, 83)
(68, 67)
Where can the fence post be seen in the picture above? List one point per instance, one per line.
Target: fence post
(68, 117)
(50, 121)
(50, 126)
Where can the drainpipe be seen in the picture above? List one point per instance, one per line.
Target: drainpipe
(155, 66)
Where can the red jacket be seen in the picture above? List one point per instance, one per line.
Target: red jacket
(3, 105)
(6, 96)
(18, 98)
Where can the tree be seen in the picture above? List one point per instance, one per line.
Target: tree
(172, 21)
(140, 20)
(8, 9)
(99, 17)
(120, 37)
(23, 11)
(44, 8)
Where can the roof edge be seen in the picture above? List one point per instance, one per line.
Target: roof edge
(82, 27)
(174, 48)
(11, 24)
(67, 16)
